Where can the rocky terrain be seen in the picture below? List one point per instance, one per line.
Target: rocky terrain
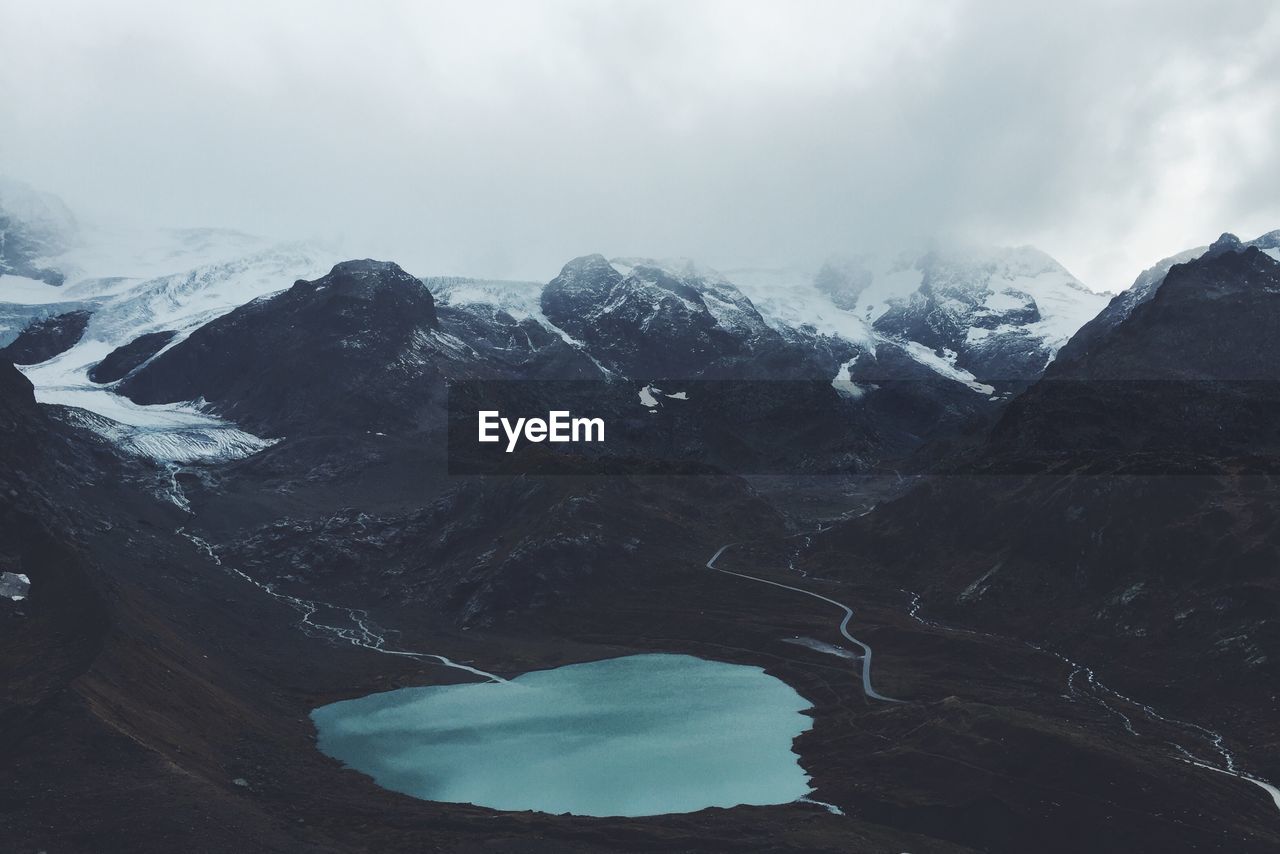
(124, 359)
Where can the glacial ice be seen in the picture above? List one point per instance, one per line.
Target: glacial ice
(142, 282)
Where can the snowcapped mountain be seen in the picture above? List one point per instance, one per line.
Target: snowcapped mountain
(362, 348)
(645, 320)
(1213, 319)
(976, 316)
(999, 314)
(171, 318)
(260, 363)
(973, 316)
(46, 338)
(366, 349)
(1149, 282)
(128, 314)
(726, 303)
(122, 295)
(136, 280)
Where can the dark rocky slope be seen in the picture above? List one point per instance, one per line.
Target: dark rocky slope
(318, 354)
(1125, 508)
(1145, 287)
(491, 551)
(1191, 376)
(124, 359)
(361, 349)
(46, 338)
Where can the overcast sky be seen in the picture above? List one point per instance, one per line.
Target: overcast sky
(497, 138)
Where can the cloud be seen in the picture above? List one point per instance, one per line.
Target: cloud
(501, 138)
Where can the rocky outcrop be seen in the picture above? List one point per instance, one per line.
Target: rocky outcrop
(46, 338)
(122, 360)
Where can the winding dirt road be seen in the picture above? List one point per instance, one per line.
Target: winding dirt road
(867, 688)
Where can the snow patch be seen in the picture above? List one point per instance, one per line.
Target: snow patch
(978, 587)
(943, 366)
(843, 381)
(650, 393)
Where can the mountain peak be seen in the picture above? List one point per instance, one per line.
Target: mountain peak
(587, 268)
(366, 273)
(652, 318)
(369, 281)
(1000, 313)
(1228, 242)
(265, 362)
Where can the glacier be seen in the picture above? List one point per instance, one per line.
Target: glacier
(140, 281)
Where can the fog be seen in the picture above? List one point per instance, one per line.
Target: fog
(502, 138)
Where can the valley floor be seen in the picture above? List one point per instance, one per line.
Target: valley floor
(190, 729)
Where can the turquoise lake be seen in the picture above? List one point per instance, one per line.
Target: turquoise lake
(632, 736)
